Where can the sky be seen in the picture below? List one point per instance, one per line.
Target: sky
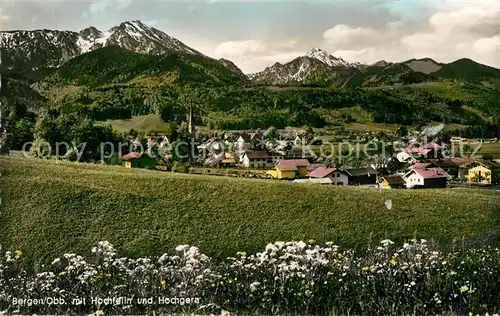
(257, 34)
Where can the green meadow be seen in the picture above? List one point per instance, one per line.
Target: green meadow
(51, 207)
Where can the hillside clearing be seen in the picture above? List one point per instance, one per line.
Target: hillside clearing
(49, 208)
(142, 124)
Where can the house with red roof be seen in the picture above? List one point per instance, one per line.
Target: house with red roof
(227, 162)
(427, 177)
(454, 166)
(290, 169)
(430, 150)
(337, 176)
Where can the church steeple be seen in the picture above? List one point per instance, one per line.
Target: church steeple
(190, 123)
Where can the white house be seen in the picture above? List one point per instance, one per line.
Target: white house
(426, 178)
(258, 159)
(297, 141)
(338, 177)
(404, 157)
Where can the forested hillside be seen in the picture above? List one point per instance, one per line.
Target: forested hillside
(114, 83)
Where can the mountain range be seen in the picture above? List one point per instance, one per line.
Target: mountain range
(134, 69)
(38, 53)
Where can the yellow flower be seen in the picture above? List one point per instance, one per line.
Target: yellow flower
(340, 256)
(366, 268)
(163, 283)
(18, 253)
(394, 261)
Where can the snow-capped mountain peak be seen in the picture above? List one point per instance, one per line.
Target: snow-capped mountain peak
(132, 35)
(327, 58)
(53, 47)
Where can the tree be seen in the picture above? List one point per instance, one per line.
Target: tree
(402, 131)
(22, 132)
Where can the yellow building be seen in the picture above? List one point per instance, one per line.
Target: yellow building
(392, 182)
(290, 169)
(484, 172)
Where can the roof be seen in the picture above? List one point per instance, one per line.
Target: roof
(321, 172)
(486, 163)
(257, 154)
(430, 173)
(432, 145)
(422, 165)
(292, 164)
(451, 162)
(313, 166)
(132, 155)
(394, 179)
(418, 150)
(422, 150)
(318, 181)
(355, 172)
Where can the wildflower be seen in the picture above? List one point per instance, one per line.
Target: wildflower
(279, 244)
(464, 289)
(181, 247)
(253, 286)
(387, 242)
(394, 261)
(18, 253)
(163, 283)
(366, 268)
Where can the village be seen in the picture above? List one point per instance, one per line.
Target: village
(286, 155)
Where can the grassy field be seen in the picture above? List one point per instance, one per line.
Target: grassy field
(491, 148)
(49, 208)
(142, 124)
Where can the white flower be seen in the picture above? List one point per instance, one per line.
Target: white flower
(181, 247)
(386, 242)
(301, 245)
(253, 286)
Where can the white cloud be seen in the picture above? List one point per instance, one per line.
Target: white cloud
(488, 45)
(99, 7)
(470, 31)
(255, 55)
(344, 36)
(239, 48)
(152, 23)
(281, 57)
